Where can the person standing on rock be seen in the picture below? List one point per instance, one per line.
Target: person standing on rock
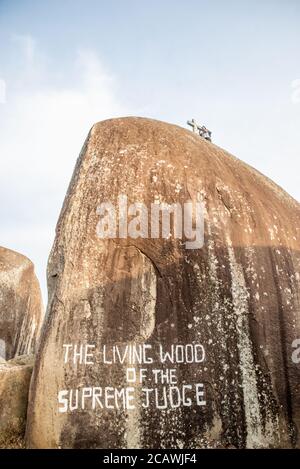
(205, 133)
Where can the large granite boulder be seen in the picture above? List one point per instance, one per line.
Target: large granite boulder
(15, 377)
(151, 342)
(21, 309)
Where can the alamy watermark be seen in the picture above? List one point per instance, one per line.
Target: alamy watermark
(295, 96)
(180, 221)
(296, 352)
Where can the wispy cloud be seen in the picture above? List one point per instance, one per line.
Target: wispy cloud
(42, 130)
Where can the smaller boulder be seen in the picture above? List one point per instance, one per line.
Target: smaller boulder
(15, 378)
(21, 308)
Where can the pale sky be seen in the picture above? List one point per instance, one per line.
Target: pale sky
(234, 66)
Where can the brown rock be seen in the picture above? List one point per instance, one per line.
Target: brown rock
(237, 296)
(14, 386)
(21, 310)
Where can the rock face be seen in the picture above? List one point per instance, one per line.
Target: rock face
(228, 312)
(21, 310)
(14, 386)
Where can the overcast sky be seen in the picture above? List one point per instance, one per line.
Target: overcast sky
(234, 66)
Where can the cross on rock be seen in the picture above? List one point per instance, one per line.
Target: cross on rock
(201, 130)
(193, 123)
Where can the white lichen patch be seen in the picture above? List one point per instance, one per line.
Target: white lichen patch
(148, 298)
(257, 436)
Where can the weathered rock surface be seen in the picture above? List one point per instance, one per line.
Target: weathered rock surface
(21, 310)
(14, 386)
(238, 296)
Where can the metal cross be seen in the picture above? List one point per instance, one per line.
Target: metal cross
(195, 126)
